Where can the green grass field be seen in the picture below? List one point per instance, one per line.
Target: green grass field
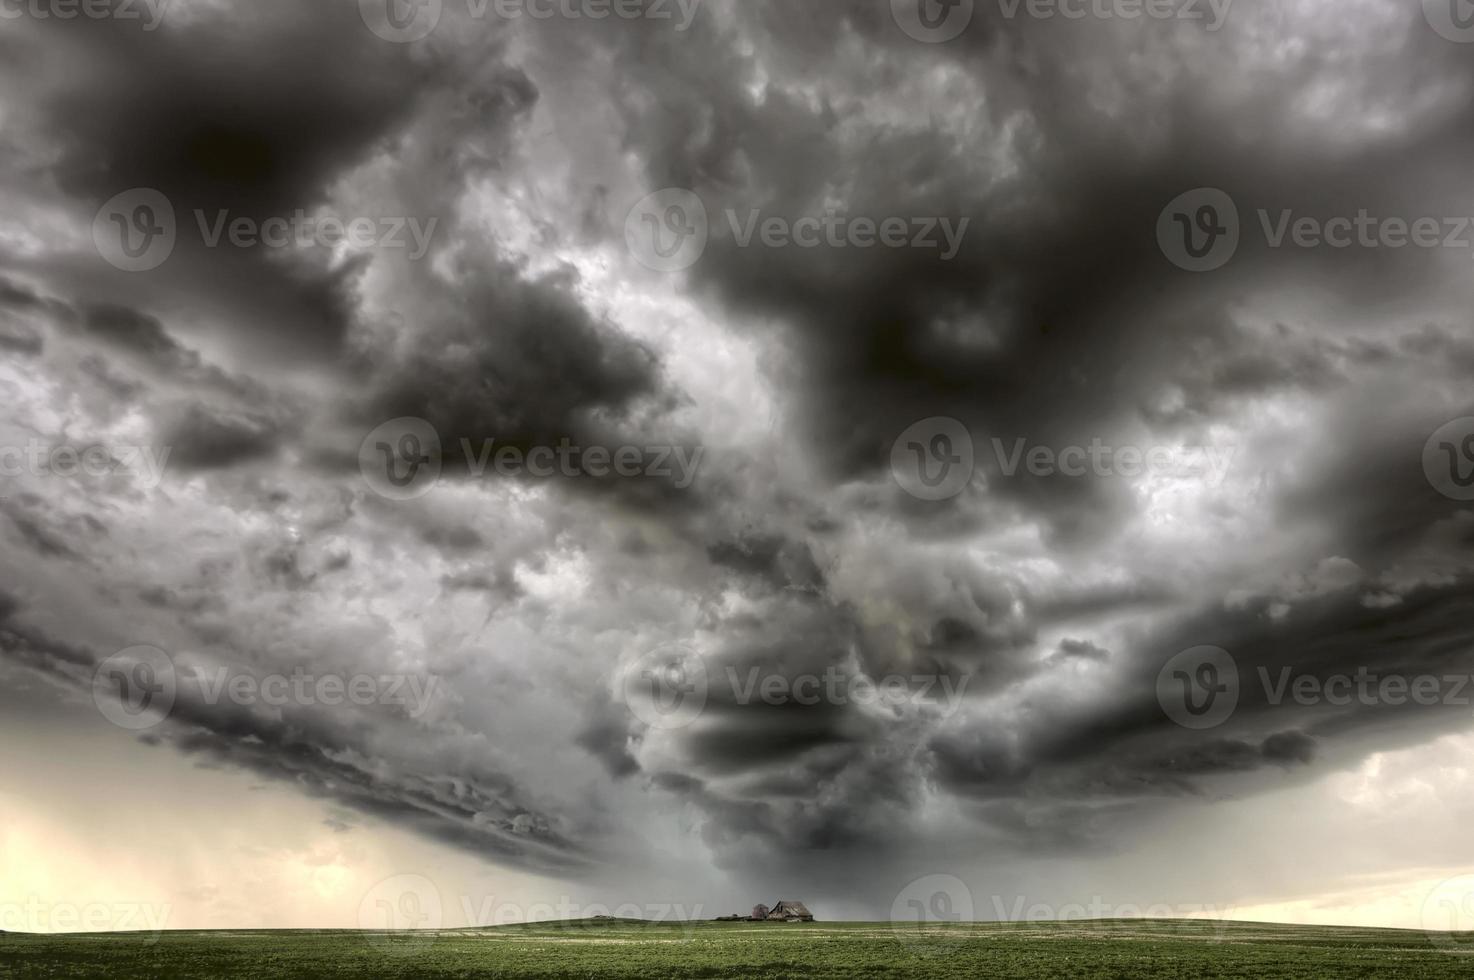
(1134, 949)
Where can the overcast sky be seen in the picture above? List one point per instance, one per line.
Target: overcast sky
(687, 454)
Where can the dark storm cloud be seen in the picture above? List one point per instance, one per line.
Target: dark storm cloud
(1060, 312)
(1367, 481)
(770, 557)
(479, 812)
(323, 755)
(518, 361)
(606, 737)
(131, 330)
(502, 583)
(20, 340)
(202, 438)
(48, 533)
(1080, 650)
(251, 110)
(1128, 747)
(511, 363)
(1058, 320)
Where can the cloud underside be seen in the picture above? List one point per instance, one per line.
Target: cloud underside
(1047, 604)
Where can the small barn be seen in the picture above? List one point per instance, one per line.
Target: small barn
(785, 911)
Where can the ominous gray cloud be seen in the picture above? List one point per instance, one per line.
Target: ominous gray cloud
(885, 677)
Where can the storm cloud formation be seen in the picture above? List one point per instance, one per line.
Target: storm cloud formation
(989, 666)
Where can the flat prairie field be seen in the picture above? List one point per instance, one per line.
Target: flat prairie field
(1171, 950)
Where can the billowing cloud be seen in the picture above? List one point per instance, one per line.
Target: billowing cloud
(600, 474)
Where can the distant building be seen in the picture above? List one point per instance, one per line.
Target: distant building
(788, 912)
(784, 911)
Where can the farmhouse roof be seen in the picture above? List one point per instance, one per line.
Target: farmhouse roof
(789, 908)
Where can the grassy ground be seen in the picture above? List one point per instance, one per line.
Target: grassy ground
(1137, 949)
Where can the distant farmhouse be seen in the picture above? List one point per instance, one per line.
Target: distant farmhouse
(790, 912)
(784, 911)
